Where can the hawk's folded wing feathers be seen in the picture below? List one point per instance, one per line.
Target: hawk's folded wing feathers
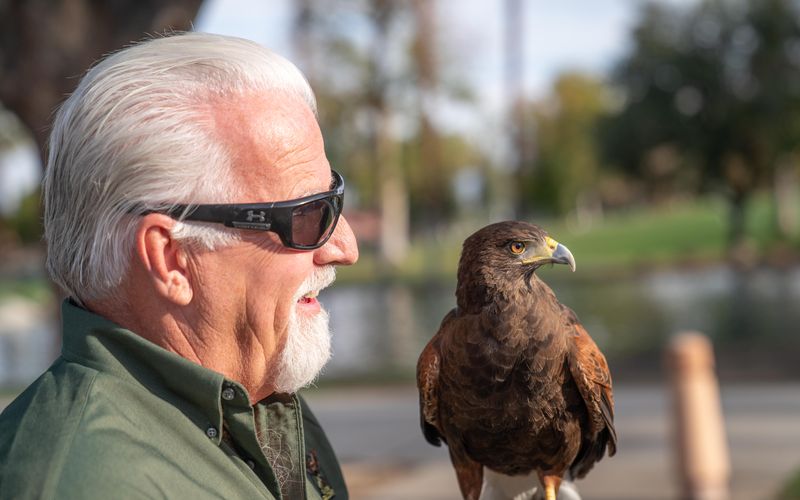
(428, 384)
(591, 374)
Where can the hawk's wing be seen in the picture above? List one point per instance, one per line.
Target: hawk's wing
(428, 384)
(590, 371)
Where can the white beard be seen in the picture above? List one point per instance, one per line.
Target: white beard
(308, 340)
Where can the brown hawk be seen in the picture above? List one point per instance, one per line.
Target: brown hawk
(512, 381)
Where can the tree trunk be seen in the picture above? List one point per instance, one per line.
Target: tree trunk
(737, 219)
(785, 201)
(391, 185)
(434, 190)
(393, 193)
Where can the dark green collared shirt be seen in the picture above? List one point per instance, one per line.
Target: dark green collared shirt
(119, 417)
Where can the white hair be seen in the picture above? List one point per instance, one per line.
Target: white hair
(136, 135)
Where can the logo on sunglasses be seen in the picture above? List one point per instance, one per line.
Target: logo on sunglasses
(253, 219)
(252, 216)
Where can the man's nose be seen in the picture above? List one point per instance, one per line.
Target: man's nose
(341, 249)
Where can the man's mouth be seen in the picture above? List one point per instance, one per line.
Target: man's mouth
(310, 288)
(309, 298)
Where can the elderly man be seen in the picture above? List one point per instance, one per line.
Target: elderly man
(192, 218)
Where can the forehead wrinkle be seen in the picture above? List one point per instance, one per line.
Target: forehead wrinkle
(301, 156)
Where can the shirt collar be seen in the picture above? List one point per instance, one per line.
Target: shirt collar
(105, 346)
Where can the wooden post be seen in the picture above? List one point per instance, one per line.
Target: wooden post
(699, 429)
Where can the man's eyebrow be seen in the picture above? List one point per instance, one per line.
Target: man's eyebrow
(311, 192)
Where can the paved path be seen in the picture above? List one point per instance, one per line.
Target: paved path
(376, 434)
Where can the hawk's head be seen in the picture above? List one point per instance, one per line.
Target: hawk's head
(504, 255)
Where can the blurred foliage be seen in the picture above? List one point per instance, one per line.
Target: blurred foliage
(38, 290)
(790, 491)
(567, 164)
(377, 74)
(711, 99)
(26, 222)
(12, 132)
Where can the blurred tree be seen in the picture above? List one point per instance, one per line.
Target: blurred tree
(26, 223)
(344, 49)
(565, 173)
(712, 95)
(434, 201)
(12, 132)
(375, 70)
(45, 45)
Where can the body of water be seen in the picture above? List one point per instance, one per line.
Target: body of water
(752, 318)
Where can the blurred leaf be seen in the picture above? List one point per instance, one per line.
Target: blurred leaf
(566, 167)
(791, 491)
(12, 132)
(26, 222)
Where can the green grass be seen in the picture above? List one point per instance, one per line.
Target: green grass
(656, 236)
(689, 233)
(36, 289)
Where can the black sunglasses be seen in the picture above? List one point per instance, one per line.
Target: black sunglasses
(303, 224)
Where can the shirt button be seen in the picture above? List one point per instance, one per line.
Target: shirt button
(228, 393)
(251, 464)
(211, 432)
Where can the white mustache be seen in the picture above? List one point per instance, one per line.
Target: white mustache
(319, 280)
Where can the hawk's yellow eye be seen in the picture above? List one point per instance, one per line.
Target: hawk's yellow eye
(517, 247)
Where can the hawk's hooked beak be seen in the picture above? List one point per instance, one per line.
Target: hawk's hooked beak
(552, 252)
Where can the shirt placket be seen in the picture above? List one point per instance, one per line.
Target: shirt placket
(280, 424)
(240, 430)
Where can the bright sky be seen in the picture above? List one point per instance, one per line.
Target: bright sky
(19, 175)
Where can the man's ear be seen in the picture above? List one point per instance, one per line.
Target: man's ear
(164, 259)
